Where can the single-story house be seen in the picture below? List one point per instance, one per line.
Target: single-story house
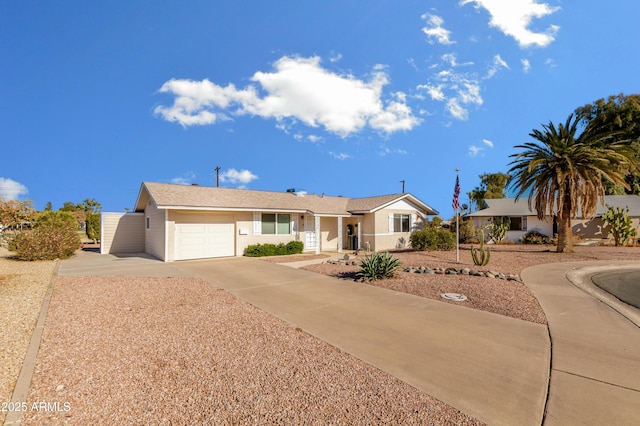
(524, 219)
(180, 222)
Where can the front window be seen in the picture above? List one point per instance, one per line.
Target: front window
(401, 222)
(518, 224)
(273, 223)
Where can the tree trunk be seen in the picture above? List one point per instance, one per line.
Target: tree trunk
(565, 232)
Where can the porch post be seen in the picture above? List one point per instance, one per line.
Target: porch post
(317, 231)
(359, 233)
(339, 234)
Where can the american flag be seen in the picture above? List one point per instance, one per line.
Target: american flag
(456, 192)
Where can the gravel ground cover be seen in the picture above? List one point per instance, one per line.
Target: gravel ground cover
(23, 286)
(509, 298)
(130, 350)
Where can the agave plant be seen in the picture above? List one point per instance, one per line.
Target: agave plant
(378, 266)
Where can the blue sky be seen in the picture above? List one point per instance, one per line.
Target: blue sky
(337, 97)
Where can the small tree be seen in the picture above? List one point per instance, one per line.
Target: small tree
(16, 214)
(93, 226)
(620, 222)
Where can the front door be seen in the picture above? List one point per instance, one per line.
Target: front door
(309, 233)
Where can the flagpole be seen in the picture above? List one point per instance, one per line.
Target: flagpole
(457, 224)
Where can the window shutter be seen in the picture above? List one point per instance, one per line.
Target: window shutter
(294, 224)
(257, 223)
(412, 225)
(391, 223)
(524, 223)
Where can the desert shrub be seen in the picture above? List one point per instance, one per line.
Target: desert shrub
(535, 237)
(260, 250)
(620, 224)
(433, 239)
(45, 242)
(436, 222)
(378, 266)
(498, 228)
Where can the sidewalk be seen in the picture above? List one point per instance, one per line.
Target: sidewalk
(595, 375)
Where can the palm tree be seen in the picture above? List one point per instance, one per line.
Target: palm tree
(564, 172)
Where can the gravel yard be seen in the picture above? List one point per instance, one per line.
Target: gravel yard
(22, 289)
(128, 350)
(509, 298)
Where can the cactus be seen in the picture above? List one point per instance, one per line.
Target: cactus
(481, 256)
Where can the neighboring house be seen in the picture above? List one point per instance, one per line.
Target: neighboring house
(179, 222)
(524, 219)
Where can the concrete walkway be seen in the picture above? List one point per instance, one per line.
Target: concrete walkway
(595, 375)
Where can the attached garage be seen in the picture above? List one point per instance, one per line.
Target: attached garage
(204, 235)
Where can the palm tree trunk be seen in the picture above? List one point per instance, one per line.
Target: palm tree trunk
(565, 232)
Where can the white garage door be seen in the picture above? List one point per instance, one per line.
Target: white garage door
(201, 235)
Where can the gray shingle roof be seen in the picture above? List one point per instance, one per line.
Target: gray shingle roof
(211, 198)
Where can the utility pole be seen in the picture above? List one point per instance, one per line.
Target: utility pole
(402, 185)
(217, 176)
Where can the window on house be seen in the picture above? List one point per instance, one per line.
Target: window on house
(401, 222)
(273, 223)
(518, 224)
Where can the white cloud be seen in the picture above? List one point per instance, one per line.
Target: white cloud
(314, 138)
(185, 179)
(299, 89)
(513, 18)
(550, 63)
(457, 90)
(487, 142)
(11, 190)
(234, 176)
(497, 65)
(435, 30)
(474, 150)
(335, 57)
(526, 65)
(339, 156)
(435, 92)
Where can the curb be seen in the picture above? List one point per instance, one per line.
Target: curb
(23, 384)
(581, 278)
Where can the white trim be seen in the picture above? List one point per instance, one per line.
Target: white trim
(166, 237)
(391, 229)
(257, 223)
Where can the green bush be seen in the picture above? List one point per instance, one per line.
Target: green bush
(45, 242)
(535, 237)
(378, 266)
(93, 226)
(433, 239)
(260, 250)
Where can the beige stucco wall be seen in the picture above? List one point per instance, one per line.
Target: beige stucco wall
(533, 223)
(121, 233)
(154, 237)
(596, 227)
(384, 239)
